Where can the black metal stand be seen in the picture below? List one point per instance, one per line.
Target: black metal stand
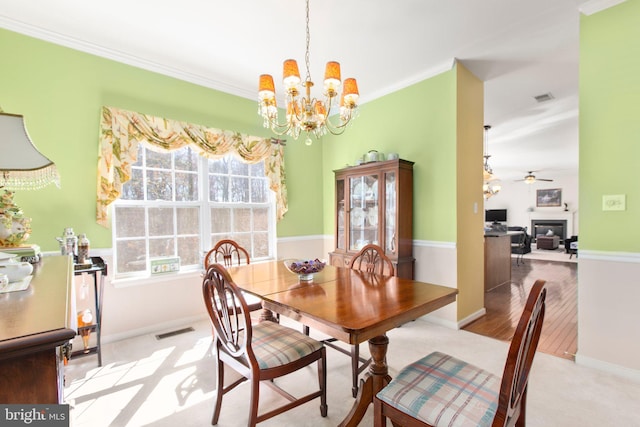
(97, 266)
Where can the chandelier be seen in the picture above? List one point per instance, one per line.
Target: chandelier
(303, 113)
(489, 186)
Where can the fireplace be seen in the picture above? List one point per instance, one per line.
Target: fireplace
(542, 226)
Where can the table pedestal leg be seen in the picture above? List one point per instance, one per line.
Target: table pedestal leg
(375, 380)
(267, 315)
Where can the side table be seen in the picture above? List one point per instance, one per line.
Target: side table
(97, 269)
(547, 242)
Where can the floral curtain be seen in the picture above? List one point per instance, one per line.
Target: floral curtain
(121, 131)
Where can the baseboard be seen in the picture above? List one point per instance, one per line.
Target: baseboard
(610, 368)
(152, 329)
(472, 317)
(436, 320)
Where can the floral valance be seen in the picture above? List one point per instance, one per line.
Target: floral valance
(121, 131)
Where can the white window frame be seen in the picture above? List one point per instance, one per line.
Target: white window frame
(204, 206)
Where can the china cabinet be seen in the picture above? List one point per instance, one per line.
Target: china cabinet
(374, 204)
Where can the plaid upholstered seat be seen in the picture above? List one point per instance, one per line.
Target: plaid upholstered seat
(275, 345)
(444, 392)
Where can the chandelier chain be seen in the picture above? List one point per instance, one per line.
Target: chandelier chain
(307, 56)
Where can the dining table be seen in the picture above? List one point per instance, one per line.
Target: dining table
(349, 305)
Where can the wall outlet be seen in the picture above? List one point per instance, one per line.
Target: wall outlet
(614, 202)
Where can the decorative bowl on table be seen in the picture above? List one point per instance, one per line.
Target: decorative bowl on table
(305, 269)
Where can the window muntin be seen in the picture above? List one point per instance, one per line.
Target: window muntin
(163, 213)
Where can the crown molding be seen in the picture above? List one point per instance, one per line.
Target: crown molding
(426, 74)
(118, 56)
(595, 6)
(181, 74)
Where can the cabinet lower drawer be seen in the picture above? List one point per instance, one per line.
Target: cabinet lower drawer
(339, 260)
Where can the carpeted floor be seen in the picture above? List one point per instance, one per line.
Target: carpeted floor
(170, 382)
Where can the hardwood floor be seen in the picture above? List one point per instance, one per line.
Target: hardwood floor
(504, 306)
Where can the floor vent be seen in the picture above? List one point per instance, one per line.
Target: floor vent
(173, 333)
(544, 97)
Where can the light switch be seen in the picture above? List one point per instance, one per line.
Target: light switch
(614, 202)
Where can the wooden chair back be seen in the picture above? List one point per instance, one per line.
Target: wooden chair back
(513, 389)
(371, 258)
(227, 252)
(228, 311)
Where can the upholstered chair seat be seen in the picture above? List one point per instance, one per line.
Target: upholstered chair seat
(441, 390)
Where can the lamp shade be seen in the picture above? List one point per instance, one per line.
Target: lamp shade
(332, 71)
(350, 92)
(290, 73)
(321, 111)
(22, 166)
(266, 88)
(332, 77)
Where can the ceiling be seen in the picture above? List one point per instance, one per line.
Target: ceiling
(519, 48)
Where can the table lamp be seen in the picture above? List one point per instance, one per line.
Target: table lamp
(22, 167)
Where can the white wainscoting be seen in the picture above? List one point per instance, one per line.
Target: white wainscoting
(608, 314)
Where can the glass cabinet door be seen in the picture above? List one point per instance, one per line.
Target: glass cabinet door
(363, 211)
(390, 206)
(340, 194)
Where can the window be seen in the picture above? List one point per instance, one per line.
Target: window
(178, 204)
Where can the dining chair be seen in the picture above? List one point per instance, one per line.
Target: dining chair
(372, 259)
(260, 353)
(440, 390)
(229, 253)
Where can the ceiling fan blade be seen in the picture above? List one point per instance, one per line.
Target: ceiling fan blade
(542, 179)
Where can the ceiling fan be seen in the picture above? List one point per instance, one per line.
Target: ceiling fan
(530, 178)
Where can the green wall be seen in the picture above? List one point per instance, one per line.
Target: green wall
(418, 123)
(610, 127)
(60, 92)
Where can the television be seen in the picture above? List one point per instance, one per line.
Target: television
(495, 215)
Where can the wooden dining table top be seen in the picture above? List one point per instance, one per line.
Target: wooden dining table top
(349, 305)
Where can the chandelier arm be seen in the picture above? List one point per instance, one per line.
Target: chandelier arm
(332, 127)
(338, 129)
(278, 128)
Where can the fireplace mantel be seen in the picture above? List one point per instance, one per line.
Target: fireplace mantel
(555, 215)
